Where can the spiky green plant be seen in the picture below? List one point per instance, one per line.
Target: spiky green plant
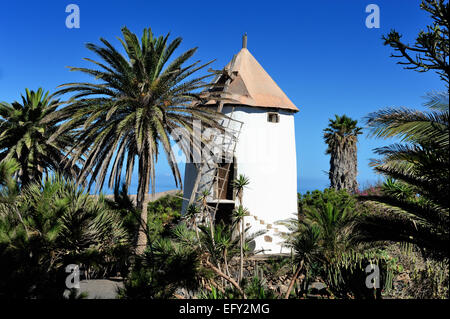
(50, 226)
(28, 136)
(8, 185)
(238, 215)
(324, 246)
(239, 184)
(191, 215)
(170, 263)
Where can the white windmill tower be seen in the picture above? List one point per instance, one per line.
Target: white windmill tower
(262, 148)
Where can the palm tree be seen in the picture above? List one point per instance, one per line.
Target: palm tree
(341, 135)
(140, 102)
(27, 136)
(415, 199)
(239, 184)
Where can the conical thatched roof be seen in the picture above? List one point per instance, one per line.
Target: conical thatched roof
(251, 85)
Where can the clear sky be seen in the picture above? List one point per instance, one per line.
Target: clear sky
(319, 52)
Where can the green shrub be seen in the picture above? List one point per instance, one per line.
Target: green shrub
(50, 226)
(323, 241)
(163, 214)
(168, 264)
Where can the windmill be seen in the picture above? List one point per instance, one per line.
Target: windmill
(259, 118)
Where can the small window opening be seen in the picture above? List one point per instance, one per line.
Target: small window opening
(273, 117)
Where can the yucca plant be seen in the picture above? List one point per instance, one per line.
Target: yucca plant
(223, 247)
(27, 135)
(191, 215)
(139, 101)
(238, 215)
(239, 184)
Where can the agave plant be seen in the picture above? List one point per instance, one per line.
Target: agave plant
(139, 101)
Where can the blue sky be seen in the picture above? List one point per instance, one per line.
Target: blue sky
(319, 52)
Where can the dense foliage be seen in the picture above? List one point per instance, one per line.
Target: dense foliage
(49, 226)
(324, 246)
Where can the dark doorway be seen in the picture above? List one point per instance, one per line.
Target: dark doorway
(224, 213)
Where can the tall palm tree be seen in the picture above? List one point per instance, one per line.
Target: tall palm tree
(27, 136)
(418, 164)
(341, 135)
(140, 101)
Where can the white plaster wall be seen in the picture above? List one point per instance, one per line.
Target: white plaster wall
(266, 154)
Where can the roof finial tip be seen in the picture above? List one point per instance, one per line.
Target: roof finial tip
(244, 41)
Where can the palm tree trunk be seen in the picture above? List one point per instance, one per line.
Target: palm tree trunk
(142, 204)
(142, 236)
(344, 166)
